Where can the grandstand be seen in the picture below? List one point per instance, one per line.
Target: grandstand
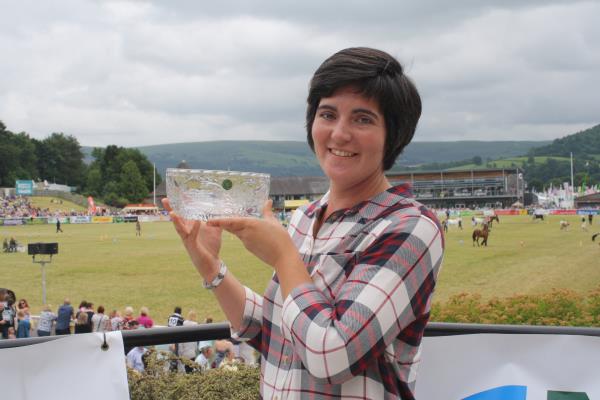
(496, 188)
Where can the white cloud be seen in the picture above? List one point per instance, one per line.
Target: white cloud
(139, 73)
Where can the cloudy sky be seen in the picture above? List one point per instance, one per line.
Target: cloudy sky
(148, 72)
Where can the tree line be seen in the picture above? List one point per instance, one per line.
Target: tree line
(116, 176)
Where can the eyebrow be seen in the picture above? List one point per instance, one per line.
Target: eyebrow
(354, 111)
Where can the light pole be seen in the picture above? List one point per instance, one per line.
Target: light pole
(43, 249)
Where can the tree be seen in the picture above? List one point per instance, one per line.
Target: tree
(477, 160)
(132, 185)
(60, 160)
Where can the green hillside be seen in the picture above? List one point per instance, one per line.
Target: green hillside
(585, 143)
(289, 158)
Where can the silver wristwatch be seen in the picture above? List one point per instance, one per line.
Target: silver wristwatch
(218, 279)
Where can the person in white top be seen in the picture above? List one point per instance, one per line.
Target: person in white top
(100, 321)
(45, 322)
(188, 350)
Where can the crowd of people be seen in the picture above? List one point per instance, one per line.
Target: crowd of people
(21, 207)
(17, 322)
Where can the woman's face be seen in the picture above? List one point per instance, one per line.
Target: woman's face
(349, 138)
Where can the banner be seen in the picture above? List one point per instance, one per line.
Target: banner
(80, 219)
(130, 218)
(588, 212)
(509, 367)
(563, 212)
(24, 188)
(36, 221)
(63, 220)
(13, 221)
(102, 220)
(73, 367)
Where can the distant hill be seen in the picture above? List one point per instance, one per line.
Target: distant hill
(290, 158)
(584, 143)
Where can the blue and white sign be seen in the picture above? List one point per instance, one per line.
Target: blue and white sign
(509, 367)
(24, 188)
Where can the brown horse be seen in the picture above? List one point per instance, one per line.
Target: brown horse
(481, 234)
(494, 218)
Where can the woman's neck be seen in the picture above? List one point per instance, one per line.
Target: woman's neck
(341, 197)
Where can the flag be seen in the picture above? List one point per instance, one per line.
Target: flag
(91, 205)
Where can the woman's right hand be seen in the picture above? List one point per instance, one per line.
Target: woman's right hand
(201, 241)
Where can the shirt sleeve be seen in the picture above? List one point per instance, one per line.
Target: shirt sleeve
(388, 287)
(251, 327)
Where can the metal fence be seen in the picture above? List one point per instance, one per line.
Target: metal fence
(181, 334)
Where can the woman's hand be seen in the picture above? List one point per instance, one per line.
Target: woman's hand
(202, 242)
(266, 238)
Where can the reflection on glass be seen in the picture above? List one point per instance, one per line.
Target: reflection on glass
(204, 194)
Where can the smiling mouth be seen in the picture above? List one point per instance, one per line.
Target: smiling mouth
(341, 153)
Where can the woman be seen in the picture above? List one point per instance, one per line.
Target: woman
(100, 321)
(22, 305)
(144, 319)
(346, 309)
(23, 325)
(81, 324)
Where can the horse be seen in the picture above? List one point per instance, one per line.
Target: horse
(455, 221)
(481, 234)
(494, 218)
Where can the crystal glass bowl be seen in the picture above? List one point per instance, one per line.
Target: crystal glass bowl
(199, 194)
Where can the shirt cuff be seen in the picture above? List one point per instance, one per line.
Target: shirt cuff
(252, 317)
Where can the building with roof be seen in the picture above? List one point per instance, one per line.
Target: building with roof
(473, 188)
(588, 201)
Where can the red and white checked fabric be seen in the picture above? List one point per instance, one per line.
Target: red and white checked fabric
(355, 331)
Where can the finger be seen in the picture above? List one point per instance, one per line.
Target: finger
(179, 225)
(267, 210)
(195, 229)
(167, 204)
(231, 225)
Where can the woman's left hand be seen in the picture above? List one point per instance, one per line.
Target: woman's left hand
(266, 238)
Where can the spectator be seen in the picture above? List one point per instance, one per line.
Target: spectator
(63, 320)
(128, 317)
(188, 350)
(82, 325)
(144, 319)
(23, 325)
(100, 322)
(11, 333)
(45, 322)
(89, 310)
(206, 353)
(175, 319)
(135, 360)
(7, 319)
(223, 348)
(22, 305)
(116, 321)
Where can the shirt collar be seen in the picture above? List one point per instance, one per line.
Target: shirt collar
(385, 198)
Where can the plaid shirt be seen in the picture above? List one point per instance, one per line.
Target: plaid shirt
(355, 331)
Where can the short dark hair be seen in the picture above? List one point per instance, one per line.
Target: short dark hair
(379, 76)
(177, 310)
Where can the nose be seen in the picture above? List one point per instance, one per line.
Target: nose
(341, 131)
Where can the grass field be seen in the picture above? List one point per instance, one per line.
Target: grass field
(109, 265)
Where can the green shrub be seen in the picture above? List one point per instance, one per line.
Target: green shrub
(157, 383)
